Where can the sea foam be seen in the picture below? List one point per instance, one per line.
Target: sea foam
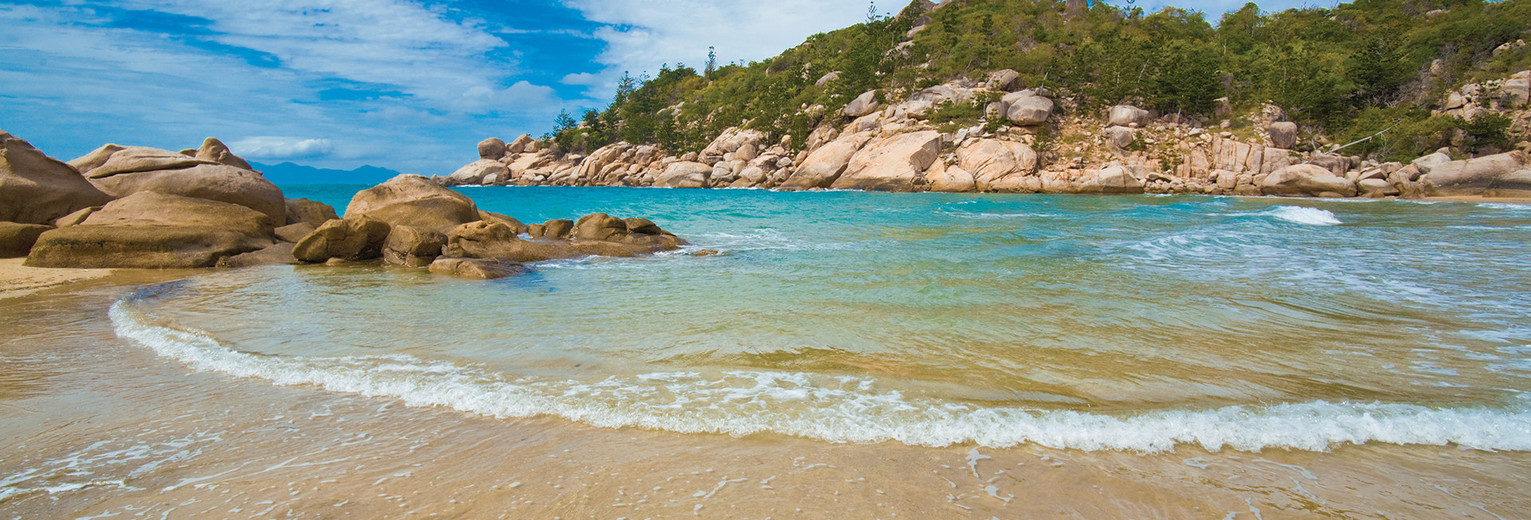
(834, 408)
(1304, 215)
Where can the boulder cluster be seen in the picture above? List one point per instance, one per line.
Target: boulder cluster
(876, 144)
(137, 207)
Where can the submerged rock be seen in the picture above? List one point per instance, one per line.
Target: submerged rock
(412, 247)
(475, 268)
(357, 237)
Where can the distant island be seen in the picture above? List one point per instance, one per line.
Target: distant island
(288, 173)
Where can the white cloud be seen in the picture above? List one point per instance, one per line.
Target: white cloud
(388, 42)
(273, 147)
(642, 34)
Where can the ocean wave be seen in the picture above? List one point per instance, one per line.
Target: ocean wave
(1505, 206)
(833, 408)
(1303, 215)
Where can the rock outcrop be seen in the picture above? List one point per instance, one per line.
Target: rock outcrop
(1023, 141)
(37, 189)
(120, 171)
(895, 163)
(16, 240)
(155, 230)
(1502, 174)
(1307, 180)
(355, 237)
(311, 212)
(412, 200)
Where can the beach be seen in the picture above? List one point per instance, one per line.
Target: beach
(633, 388)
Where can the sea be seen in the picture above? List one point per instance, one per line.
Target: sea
(825, 354)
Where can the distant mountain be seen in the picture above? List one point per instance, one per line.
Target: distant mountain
(288, 173)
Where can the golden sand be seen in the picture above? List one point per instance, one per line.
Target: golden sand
(19, 280)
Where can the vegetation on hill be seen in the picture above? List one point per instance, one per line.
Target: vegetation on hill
(1347, 72)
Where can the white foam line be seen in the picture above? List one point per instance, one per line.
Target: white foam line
(840, 409)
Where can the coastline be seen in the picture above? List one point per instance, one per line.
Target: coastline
(17, 280)
(207, 444)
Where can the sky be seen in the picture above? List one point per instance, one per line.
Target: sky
(402, 84)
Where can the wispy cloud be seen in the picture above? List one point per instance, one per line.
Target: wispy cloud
(273, 147)
(641, 35)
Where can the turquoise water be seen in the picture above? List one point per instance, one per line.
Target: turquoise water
(1134, 322)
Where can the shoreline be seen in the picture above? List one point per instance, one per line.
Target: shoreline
(207, 444)
(17, 280)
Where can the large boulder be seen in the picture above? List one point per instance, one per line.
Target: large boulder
(312, 212)
(356, 237)
(599, 226)
(1026, 108)
(37, 189)
(1476, 176)
(482, 171)
(155, 230)
(412, 200)
(213, 150)
(412, 247)
(492, 148)
(949, 178)
(475, 268)
(1307, 180)
(490, 216)
(993, 163)
(1111, 179)
(594, 234)
(1283, 134)
(16, 240)
(120, 171)
(864, 104)
(826, 164)
(684, 174)
(519, 145)
(1127, 115)
(112, 159)
(895, 163)
(1005, 80)
(1425, 162)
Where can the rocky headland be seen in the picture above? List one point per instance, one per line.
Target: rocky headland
(1048, 146)
(137, 207)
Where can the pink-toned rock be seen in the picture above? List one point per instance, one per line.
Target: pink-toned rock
(825, 165)
(684, 174)
(1477, 176)
(993, 163)
(895, 163)
(941, 177)
(1111, 179)
(1306, 180)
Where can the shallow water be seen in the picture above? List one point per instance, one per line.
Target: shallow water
(1370, 348)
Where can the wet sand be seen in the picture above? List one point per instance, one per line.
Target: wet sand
(19, 280)
(92, 426)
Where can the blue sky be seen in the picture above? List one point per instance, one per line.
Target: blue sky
(407, 85)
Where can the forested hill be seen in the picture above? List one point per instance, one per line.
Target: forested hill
(1346, 72)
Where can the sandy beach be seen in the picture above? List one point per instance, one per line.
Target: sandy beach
(19, 280)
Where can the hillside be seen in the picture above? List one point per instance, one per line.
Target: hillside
(1390, 80)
